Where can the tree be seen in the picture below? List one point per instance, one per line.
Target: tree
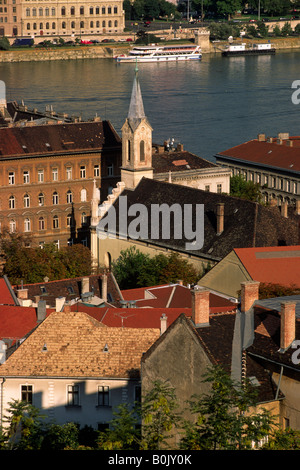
(228, 8)
(122, 433)
(136, 269)
(24, 430)
(4, 44)
(32, 265)
(286, 30)
(287, 439)
(224, 420)
(243, 189)
(158, 411)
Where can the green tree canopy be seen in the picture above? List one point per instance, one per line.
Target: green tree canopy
(243, 189)
(136, 269)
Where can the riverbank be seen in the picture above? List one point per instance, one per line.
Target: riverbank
(108, 52)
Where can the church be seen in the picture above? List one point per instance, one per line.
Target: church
(174, 180)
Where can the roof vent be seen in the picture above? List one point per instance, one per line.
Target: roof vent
(105, 349)
(44, 348)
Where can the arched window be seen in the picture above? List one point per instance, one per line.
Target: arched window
(40, 12)
(73, 24)
(109, 24)
(128, 150)
(27, 11)
(69, 197)
(27, 225)
(72, 11)
(12, 202)
(55, 198)
(81, 10)
(26, 200)
(83, 195)
(83, 218)
(41, 223)
(142, 151)
(63, 25)
(53, 25)
(55, 221)
(34, 12)
(53, 11)
(47, 26)
(63, 11)
(12, 226)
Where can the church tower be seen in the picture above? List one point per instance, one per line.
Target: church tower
(136, 141)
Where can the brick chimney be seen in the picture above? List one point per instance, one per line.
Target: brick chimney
(249, 294)
(22, 294)
(287, 324)
(104, 287)
(220, 218)
(85, 285)
(200, 306)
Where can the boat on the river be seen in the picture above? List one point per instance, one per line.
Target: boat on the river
(155, 53)
(254, 49)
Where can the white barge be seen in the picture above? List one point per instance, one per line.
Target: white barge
(155, 53)
(241, 49)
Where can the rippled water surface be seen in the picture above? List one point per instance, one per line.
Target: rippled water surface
(208, 106)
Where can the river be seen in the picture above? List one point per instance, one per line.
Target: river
(208, 106)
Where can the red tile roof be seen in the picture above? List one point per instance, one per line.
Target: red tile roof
(17, 322)
(272, 154)
(173, 296)
(6, 297)
(276, 265)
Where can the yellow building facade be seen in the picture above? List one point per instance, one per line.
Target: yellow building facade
(47, 18)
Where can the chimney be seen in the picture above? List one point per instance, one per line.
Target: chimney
(41, 311)
(104, 287)
(59, 303)
(220, 218)
(290, 143)
(180, 282)
(283, 135)
(85, 285)
(163, 323)
(22, 294)
(287, 324)
(200, 306)
(249, 294)
(284, 209)
(179, 147)
(261, 137)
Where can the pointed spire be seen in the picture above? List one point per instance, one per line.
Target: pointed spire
(136, 107)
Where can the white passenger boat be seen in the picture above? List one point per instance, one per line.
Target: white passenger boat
(155, 53)
(254, 49)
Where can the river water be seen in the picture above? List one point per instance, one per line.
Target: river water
(209, 106)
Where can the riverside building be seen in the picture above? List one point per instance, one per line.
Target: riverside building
(31, 18)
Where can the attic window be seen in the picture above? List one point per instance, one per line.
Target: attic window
(105, 349)
(43, 289)
(70, 289)
(109, 297)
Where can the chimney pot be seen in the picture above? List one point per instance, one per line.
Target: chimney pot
(249, 294)
(261, 137)
(200, 306)
(104, 287)
(22, 294)
(287, 324)
(85, 285)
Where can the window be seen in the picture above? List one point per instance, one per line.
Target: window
(207, 188)
(69, 197)
(12, 202)
(142, 151)
(41, 199)
(69, 220)
(11, 177)
(55, 198)
(27, 225)
(26, 200)
(82, 172)
(96, 170)
(41, 223)
(83, 195)
(103, 395)
(12, 226)
(110, 169)
(83, 218)
(54, 174)
(73, 395)
(69, 172)
(26, 393)
(219, 188)
(40, 176)
(55, 222)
